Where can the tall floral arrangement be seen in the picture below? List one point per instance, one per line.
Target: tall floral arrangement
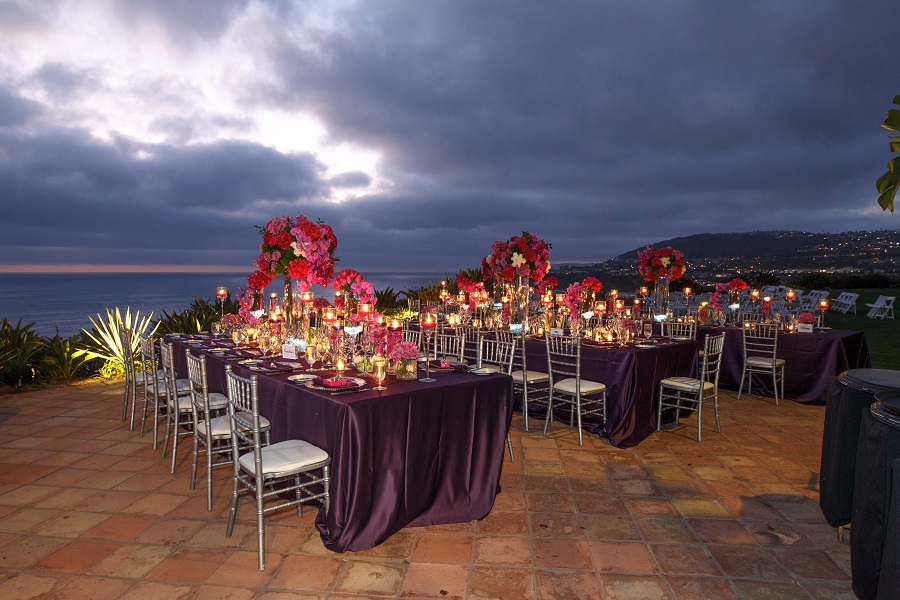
(297, 247)
(523, 255)
(654, 263)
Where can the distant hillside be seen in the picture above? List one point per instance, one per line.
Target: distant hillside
(751, 245)
(713, 255)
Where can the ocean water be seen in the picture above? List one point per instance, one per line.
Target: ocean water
(65, 301)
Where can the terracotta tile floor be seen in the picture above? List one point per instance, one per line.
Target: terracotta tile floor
(89, 510)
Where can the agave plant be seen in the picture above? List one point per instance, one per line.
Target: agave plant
(104, 341)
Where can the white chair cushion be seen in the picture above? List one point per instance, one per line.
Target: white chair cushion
(221, 426)
(182, 386)
(686, 384)
(217, 401)
(530, 376)
(286, 456)
(218, 427)
(759, 361)
(587, 387)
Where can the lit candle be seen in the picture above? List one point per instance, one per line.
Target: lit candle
(620, 304)
(395, 325)
(687, 291)
(644, 290)
(560, 299)
(754, 293)
(823, 304)
(790, 294)
(428, 321)
(339, 363)
(614, 293)
(329, 316)
(379, 320)
(601, 306)
(365, 308)
(307, 297)
(221, 292)
(767, 299)
(461, 297)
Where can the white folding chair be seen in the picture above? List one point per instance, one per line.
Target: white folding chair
(687, 392)
(760, 350)
(294, 462)
(883, 308)
(845, 302)
(585, 397)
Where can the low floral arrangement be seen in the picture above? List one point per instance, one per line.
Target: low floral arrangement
(404, 351)
(654, 263)
(522, 256)
(352, 282)
(628, 325)
(298, 247)
(806, 317)
(231, 320)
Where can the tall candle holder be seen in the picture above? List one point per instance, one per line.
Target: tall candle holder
(428, 322)
(823, 308)
(221, 296)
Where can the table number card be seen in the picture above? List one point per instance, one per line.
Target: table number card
(289, 351)
(556, 331)
(804, 327)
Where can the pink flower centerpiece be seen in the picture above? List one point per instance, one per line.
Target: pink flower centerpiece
(654, 263)
(806, 317)
(405, 356)
(352, 282)
(522, 256)
(297, 247)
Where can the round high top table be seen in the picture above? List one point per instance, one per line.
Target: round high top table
(850, 395)
(875, 539)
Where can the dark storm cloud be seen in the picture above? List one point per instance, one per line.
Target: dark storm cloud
(600, 126)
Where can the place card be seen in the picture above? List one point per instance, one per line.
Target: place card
(289, 351)
(556, 331)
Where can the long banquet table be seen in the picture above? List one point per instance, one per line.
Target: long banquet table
(416, 454)
(812, 360)
(631, 376)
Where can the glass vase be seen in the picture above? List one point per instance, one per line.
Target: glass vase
(406, 368)
(518, 306)
(660, 298)
(287, 305)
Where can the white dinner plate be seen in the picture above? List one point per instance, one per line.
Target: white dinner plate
(482, 371)
(681, 338)
(289, 365)
(300, 378)
(645, 345)
(249, 361)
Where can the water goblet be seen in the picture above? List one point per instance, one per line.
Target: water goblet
(312, 355)
(648, 331)
(380, 371)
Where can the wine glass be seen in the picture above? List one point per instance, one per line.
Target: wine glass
(264, 343)
(380, 371)
(648, 331)
(312, 355)
(236, 336)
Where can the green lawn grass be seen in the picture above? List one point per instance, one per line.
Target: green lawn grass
(883, 336)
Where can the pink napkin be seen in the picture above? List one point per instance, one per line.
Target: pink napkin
(335, 382)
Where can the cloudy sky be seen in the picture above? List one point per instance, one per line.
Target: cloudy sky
(160, 132)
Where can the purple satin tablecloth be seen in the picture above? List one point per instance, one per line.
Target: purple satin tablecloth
(811, 361)
(416, 454)
(631, 376)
